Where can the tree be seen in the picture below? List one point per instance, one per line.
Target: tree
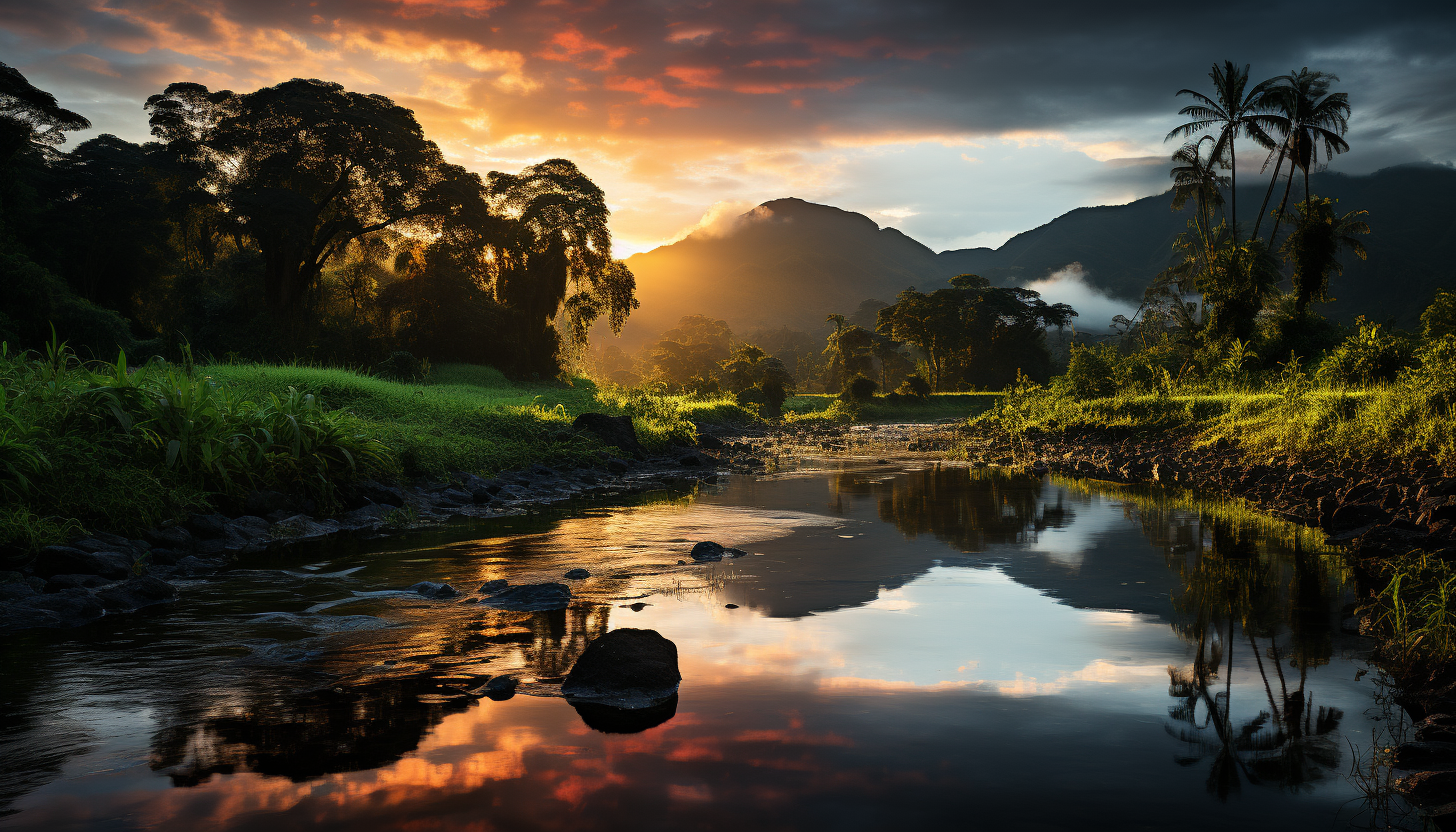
(1314, 246)
(1235, 110)
(850, 350)
(983, 333)
(31, 116)
(555, 240)
(183, 117)
(1439, 319)
(690, 355)
(1307, 115)
(311, 167)
(758, 377)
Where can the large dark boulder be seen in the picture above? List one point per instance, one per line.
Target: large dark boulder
(612, 430)
(135, 594)
(68, 560)
(529, 597)
(626, 668)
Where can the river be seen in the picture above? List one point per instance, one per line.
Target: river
(906, 646)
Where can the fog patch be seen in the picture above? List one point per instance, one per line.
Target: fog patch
(722, 219)
(1095, 308)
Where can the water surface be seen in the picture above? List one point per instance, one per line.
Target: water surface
(911, 648)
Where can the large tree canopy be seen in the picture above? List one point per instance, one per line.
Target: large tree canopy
(30, 116)
(976, 333)
(306, 167)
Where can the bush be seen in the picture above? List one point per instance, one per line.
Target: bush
(403, 366)
(860, 388)
(914, 385)
(1434, 376)
(1367, 357)
(34, 300)
(1091, 371)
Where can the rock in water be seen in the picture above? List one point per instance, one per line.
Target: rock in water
(610, 720)
(136, 593)
(707, 551)
(530, 598)
(626, 668)
(577, 574)
(430, 589)
(612, 430)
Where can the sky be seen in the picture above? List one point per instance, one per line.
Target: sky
(960, 123)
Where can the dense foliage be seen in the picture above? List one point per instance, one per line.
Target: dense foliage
(299, 220)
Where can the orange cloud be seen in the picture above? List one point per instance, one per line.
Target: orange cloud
(571, 45)
(651, 91)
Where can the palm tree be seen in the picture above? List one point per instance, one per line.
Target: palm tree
(1234, 110)
(1305, 114)
(1194, 178)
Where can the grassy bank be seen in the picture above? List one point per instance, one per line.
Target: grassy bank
(106, 446)
(1292, 422)
(809, 408)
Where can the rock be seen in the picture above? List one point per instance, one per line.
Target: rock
(1437, 727)
(1423, 755)
(66, 560)
(72, 607)
(709, 442)
(577, 574)
(617, 466)
(162, 557)
(172, 537)
(1428, 787)
(626, 668)
(195, 567)
(494, 586)
(730, 606)
(1357, 515)
(207, 526)
(697, 459)
(610, 720)
(454, 497)
(60, 582)
(730, 552)
(430, 589)
(379, 493)
(302, 527)
(500, 688)
(248, 533)
(530, 598)
(135, 594)
(707, 551)
(365, 518)
(611, 430)
(91, 544)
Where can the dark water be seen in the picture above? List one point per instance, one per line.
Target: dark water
(912, 649)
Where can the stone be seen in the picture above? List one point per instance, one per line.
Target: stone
(730, 606)
(707, 551)
(207, 526)
(302, 527)
(60, 582)
(709, 442)
(71, 607)
(438, 591)
(66, 560)
(365, 518)
(1425, 755)
(500, 687)
(617, 466)
(162, 557)
(494, 586)
(577, 574)
(730, 552)
(135, 594)
(1437, 727)
(172, 537)
(611, 430)
(626, 668)
(530, 598)
(379, 493)
(1428, 787)
(196, 567)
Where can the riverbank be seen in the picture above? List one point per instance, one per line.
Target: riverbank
(117, 478)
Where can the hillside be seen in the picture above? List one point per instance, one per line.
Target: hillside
(790, 262)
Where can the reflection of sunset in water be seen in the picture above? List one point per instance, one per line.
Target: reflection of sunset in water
(884, 665)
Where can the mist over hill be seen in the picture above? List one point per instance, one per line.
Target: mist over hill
(789, 262)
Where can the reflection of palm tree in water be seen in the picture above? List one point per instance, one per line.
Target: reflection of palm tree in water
(1229, 583)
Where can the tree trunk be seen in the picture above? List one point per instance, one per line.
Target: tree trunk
(1273, 180)
(1233, 192)
(1279, 217)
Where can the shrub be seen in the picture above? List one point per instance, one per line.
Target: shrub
(1091, 371)
(860, 388)
(914, 385)
(1434, 376)
(1369, 356)
(403, 366)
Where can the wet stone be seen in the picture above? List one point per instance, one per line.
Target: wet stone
(530, 598)
(430, 589)
(577, 574)
(626, 668)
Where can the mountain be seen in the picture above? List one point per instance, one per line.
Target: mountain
(789, 262)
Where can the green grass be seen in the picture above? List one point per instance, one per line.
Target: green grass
(471, 418)
(825, 408)
(104, 446)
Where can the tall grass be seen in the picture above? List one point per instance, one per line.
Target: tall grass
(1414, 613)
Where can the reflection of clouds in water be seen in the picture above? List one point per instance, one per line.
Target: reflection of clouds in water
(1068, 545)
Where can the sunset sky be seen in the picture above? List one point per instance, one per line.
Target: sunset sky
(960, 123)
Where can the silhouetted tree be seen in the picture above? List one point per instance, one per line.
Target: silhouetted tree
(31, 116)
(1308, 116)
(1314, 246)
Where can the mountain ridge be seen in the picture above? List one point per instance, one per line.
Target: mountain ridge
(791, 262)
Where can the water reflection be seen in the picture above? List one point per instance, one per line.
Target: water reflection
(903, 641)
